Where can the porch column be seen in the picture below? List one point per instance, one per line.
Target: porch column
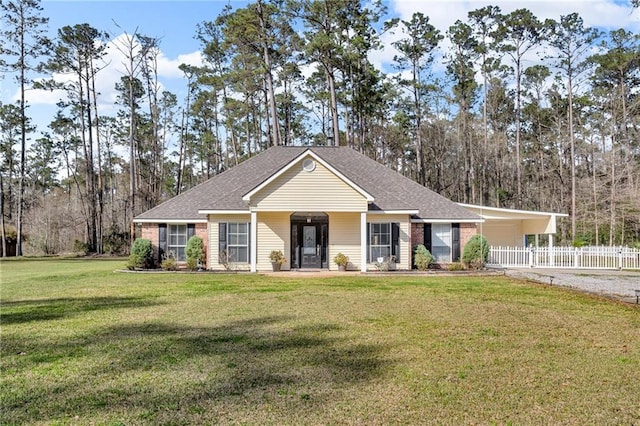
(254, 242)
(551, 256)
(363, 242)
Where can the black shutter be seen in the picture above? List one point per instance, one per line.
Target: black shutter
(368, 243)
(395, 241)
(222, 242)
(427, 236)
(162, 240)
(249, 242)
(191, 230)
(455, 242)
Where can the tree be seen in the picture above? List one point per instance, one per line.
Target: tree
(460, 68)
(79, 51)
(572, 41)
(24, 31)
(322, 46)
(416, 54)
(484, 23)
(10, 127)
(518, 33)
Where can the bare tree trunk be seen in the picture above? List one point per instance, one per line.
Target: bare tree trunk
(2, 224)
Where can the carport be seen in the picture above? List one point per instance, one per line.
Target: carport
(510, 228)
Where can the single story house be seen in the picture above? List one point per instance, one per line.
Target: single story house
(311, 203)
(315, 202)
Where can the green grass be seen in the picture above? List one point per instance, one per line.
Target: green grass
(82, 344)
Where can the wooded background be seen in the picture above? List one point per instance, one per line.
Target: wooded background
(560, 133)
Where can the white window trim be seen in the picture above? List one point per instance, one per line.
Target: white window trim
(449, 245)
(170, 247)
(371, 246)
(247, 245)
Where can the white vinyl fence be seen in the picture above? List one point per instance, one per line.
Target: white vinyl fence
(597, 257)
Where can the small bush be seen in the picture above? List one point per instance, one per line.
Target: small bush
(115, 242)
(476, 252)
(422, 258)
(80, 247)
(141, 254)
(456, 266)
(341, 260)
(195, 253)
(169, 262)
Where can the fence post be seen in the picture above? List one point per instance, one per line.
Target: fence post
(531, 257)
(620, 258)
(575, 256)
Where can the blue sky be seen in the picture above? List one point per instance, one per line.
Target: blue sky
(174, 22)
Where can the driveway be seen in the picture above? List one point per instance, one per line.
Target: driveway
(610, 283)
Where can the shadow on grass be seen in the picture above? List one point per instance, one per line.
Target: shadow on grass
(235, 364)
(24, 311)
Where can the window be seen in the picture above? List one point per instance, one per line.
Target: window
(234, 242)
(177, 241)
(379, 240)
(441, 242)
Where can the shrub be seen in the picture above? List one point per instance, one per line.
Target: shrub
(195, 252)
(169, 262)
(80, 247)
(422, 258)
(476, 252)
(340, 259)
(115, 242)
(276, 256)
(456, 266)
(141, 254)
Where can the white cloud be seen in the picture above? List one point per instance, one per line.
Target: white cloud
(606, 14)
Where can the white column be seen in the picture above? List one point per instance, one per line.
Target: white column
(363, 242)
(552, 260)
(254, 242)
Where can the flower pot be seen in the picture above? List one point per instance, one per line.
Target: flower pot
(275, 266)
(342, 268)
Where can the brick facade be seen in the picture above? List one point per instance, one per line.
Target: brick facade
(467, 230)
(417, 234)
(150, 232)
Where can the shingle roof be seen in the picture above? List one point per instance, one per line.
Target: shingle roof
(391, 190)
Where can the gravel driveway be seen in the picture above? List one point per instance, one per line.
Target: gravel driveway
(610, 283)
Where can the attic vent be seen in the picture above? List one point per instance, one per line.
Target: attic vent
(308, 165)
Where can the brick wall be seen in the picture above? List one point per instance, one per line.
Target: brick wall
(202, 231)
(467, 230)
(417, 234)
(150, 232)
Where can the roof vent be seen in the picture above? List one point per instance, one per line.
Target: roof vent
(308, 165)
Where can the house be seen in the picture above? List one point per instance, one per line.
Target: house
(311, 203)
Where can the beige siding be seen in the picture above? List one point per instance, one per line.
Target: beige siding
(214, 220)
(344, 237)
(274, 233)
(503, 233)
(405, 233)
(299, 190)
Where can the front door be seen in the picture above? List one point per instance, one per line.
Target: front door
(311, 256)
(309, 240)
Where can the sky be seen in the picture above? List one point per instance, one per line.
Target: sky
(174, 22)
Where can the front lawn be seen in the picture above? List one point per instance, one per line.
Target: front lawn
(82, 344)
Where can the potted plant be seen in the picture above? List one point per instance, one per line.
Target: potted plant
(277, 259)
(341, 260)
